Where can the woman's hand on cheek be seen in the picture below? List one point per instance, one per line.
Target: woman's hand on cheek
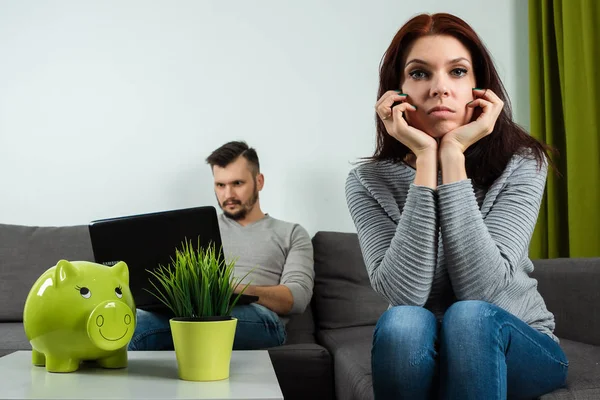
(396, 126)
(464, 136)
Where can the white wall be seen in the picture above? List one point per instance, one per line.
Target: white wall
(109, 108)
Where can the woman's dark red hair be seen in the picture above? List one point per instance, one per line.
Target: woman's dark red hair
(486, 159)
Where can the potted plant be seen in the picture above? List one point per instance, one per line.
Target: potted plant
(198, 287)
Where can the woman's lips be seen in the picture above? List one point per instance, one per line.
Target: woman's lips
(440, 111)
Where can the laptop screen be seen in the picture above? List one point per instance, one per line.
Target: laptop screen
(146, 241)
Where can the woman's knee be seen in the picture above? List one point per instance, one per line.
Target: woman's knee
(468, 312)
(406, 323)
(469, 318)
(404, 345)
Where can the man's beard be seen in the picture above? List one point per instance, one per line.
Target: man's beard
(244, 210)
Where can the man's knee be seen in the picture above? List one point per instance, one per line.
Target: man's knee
(152, 332)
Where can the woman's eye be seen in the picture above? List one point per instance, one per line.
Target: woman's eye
(417, 74)
(459, 72)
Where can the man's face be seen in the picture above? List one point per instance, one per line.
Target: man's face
(236, 188)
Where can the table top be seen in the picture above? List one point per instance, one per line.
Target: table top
(149, 375)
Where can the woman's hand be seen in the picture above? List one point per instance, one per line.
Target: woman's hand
(462, 137)
(417, 141)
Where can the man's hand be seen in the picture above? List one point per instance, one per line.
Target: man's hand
(276, 298)
(238, 289)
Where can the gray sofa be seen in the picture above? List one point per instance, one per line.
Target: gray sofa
(327, 354)
(347, 309)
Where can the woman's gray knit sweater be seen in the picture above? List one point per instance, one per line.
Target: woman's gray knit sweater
(430, 248)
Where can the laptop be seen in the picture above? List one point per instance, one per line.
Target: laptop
(145, 241)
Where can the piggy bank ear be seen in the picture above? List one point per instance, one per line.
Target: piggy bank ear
(120, 270)
(64, 271)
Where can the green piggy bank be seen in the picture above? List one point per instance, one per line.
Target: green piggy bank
(80, 311)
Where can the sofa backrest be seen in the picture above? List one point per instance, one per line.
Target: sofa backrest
(26, 252)
(343, 296)
(571, 290)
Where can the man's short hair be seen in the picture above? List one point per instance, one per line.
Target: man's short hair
(229, 152)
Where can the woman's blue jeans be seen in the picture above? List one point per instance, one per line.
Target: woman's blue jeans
(257, 328)
(479, 351)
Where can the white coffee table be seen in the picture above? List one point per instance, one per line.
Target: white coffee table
(150, 375)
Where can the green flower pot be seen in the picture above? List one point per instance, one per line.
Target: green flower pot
(203, 348)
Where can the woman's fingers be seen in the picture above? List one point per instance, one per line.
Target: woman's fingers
(401, 108)
(384, 109)
(489, 95)
(385, 103)
(385, 98)
(479, 103)
(489, 114)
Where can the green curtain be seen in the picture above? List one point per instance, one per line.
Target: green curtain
(564, 56)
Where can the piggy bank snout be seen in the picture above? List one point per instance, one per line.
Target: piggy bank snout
(111, 325)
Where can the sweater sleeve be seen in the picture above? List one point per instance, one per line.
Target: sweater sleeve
(483, 253)
(298, 272)
(400, 257)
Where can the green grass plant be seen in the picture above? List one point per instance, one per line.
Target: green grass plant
(197, 283)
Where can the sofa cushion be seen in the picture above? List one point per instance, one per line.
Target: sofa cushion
(351, 351)
(26, 252)
(583, 379)
(343, 295)
(304, 371)
(300, 328)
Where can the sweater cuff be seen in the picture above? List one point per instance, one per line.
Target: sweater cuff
(422, 195)
(299, 296)
(457, 205)
(449, 193)
(422, 190)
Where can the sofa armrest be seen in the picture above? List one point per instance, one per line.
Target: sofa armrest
(571, 289)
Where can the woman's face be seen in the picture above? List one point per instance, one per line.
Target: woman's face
(438, 78)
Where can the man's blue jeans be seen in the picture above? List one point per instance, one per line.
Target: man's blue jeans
(484, 353)
(257, 328)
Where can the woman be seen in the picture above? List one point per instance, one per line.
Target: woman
(445, 210)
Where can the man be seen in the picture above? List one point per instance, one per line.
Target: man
(279, 255)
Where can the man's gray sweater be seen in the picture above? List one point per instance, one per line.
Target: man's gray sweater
(430, 248)
(277, 252)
